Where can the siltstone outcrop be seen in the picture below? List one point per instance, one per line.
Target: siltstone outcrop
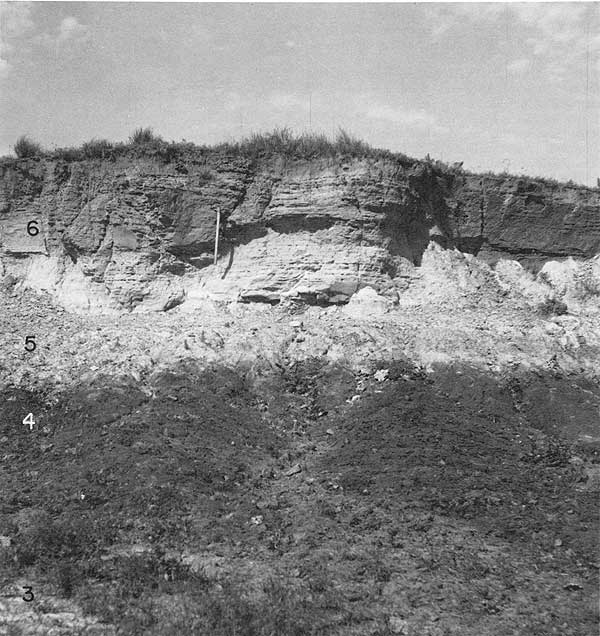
(138, 234)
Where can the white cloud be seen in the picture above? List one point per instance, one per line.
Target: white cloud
(445, 17)
(286, 101)
(400, 116)
(71, 29)
(509, 139)
(557, 23)
(234, 102)
(560, 34)
(519, 65)
(376, 109)
(4, 68)
(363, 106)
(15, 18)
(15, 21)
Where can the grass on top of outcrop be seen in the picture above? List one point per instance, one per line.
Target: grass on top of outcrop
(281, 141)
(144, 142)
(25, 147)
(520, 176)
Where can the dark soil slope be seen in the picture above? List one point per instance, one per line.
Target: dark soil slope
(328, 503)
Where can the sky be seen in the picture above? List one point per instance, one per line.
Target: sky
(506, 86)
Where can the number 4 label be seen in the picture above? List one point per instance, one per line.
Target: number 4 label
(29, 421)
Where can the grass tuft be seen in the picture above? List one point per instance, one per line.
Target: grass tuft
(280, 142)
(97, 149)
(25, 148)
(143, 136)
(307, 145)
(283, 142)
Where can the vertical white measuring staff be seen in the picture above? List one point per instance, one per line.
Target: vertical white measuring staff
(217, 235)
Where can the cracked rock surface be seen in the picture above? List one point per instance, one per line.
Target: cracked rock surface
(139, 234)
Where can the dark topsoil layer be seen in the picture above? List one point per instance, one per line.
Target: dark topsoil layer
(449, 503)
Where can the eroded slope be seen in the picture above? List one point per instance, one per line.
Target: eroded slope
(139, 233)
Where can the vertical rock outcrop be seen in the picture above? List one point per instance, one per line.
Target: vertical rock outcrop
(530, 220)
(137, 233)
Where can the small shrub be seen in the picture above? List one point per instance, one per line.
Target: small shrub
(25, 147)
(68, 154)
(166, 151)
(97, 149)
(347, 144)
(49, 541)
(218, 611)
(553, 307)
(173, 151)
(205, 175)
(141, 136)
(65, 576)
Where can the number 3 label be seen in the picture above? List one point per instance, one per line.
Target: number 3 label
(28, 596)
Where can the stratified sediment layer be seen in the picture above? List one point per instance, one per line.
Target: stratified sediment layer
(139, 232)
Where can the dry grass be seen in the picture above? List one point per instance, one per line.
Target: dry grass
(144, 142)
(283, 141)
(25, 148)
(142, 136)
(279, 142)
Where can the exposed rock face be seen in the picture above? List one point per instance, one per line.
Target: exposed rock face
(526, 219)
(139, 234)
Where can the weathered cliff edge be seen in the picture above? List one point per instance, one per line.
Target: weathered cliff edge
(138, 233)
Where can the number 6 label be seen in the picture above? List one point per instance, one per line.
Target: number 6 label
(32, 228)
